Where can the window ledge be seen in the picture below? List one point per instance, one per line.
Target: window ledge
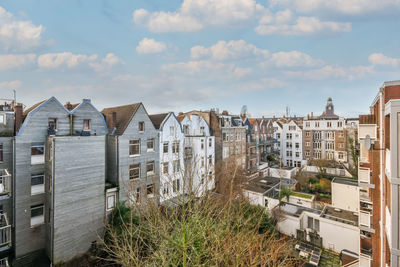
(134, 156)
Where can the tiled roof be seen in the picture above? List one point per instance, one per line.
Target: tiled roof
(181, 117)
(157, 119)
(33, 107)
(124, 116)
(70, 106)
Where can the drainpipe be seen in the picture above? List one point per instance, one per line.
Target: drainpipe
(382, 171)
(71, 124)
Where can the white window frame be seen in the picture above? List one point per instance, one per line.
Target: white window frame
(56, 123)
(89, 123)
(113, 201)
(37, 159)
(138, 144)
(140, 124)
(149, 173)
(133, 167)
(147, 145)
(152, 187)
(39, 188)
(38, 219)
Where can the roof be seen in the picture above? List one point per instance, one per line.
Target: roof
(157, 119)
(181, 117)
(70, 106)
(124, 116)
(345, 181)
(33, 107)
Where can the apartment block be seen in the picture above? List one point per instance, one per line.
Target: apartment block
(378, 175)
(289, 145)
(59, 169)
(325, 136)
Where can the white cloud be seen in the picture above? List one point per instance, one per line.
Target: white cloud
(8, 62)
(300, 26)
(18, 35)
(10, 85)
(68, 60)
(150, 46)
(381, 59)
(293, 59)
(331, 72)
(228, 50)
(194, 15)
(347, 7)
(241, 72)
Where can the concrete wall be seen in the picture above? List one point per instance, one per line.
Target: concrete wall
(278, 173)
(77, 194)
(6, 201)
(345, 197)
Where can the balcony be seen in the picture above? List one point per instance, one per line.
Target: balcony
(5, 232)
(365, 221)
(367, 129)
(364, 196)
(366, 247)
(5, 182)
(365, 261)
(364, 157)
(364, 177)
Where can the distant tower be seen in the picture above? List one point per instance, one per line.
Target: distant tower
(243, 112)
(329, 109)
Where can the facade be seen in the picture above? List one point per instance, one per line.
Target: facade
(133, 159)
(253, 143)
(378, 172)
(199, 153)
(325, 136)
(171, 143)
(47, 146)
(289, 142)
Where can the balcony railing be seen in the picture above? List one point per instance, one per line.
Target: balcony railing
(5, 231)
(4, 262)
(5, 182)
(364, 175)
(367, 129)
(365, 219)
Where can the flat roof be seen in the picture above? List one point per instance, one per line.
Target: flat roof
(296, 210)
(345, 181)
(339, 215)
(266, 184)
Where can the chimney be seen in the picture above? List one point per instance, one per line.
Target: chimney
(312, 115)
(18, 112)
(113, 122)
(68, 105)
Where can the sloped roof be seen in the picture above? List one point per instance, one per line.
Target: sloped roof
(26, 111)
(181, 117)
(124, 116)
(157, 119)
(70, 106)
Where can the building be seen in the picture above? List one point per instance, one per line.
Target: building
(171, 143)
(325, 136)
(378, 175)
(63, 152)
(289, 143)
(253, 143)
(133, 156)
(199, 147)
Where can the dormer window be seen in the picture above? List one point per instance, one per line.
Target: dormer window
(86, 125)
(141, 126)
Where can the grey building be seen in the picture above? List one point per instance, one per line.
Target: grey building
(133, 153)
(60, 174)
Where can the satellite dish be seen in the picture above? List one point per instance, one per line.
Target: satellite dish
(368, 143)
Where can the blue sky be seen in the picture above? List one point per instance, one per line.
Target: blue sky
(198, 54)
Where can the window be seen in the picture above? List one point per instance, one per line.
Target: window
(307, 124)
(341, 134)
(202, 130)
(134, 171)
(339, 124)
(176, 185)
(329, 124)
(202, 143)
(341, 155)
(202, 161)
(165, 147)
(110, 202)
(289, 136)
(307, 143)
(186, 129)
(265, 202)
(177, 166)
(1, 153)
(166, 189)
(150, 145)
(307, 153)
(297, 145)
(175, 147)
(313, 223)
(165, 167)
(307, 133)
(141, 126)
(150, 168)
(150, 190)
(2, 120)
(210, 142)
(316, 124)
(137, 195)
(37, 215)
(341, 145)
(278, 135)
(330, 145)
(37, 153)
(37, 184)
(224, 137)
(86, 125)
(134, 147)
(171, 130)
(210, 160)
(53, 124)
(297, 154)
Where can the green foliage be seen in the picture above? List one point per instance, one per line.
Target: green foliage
(285, 192)
(270, 158)
(121, 216)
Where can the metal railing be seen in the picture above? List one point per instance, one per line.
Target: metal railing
(5, 231)
(5, 182)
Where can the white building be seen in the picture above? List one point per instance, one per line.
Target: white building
(199, 153)
(289, 143)
(172, 167)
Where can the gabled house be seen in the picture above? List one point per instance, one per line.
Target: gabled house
(133, 153)
(59, 209)
(171, 155)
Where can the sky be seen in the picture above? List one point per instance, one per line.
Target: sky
(201, 54)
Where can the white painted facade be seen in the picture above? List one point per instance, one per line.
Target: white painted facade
(345, 196)
(172, 165)
(199, 153)
(289, 143)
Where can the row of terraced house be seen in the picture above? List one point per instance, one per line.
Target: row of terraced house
(63, 168)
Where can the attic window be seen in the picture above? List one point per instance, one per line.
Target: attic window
(86, 125)
(53, 125)
(141, 126)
